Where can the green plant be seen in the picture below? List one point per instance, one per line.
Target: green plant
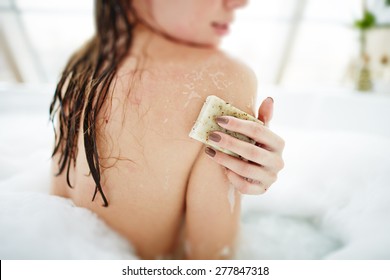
(368, 21)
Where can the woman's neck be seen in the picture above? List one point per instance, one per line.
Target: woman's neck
(147, 41)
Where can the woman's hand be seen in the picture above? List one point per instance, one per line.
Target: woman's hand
(263, 161)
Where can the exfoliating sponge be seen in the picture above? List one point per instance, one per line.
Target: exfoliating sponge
(205, 124)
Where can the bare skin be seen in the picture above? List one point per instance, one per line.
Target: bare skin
(166, 196)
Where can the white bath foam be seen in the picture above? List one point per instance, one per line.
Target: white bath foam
(269, 236)
(340, 182)
(40, 226)
(362, 222)
(331, 200)
(308, 213)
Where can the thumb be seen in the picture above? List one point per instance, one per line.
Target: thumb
(266, 110)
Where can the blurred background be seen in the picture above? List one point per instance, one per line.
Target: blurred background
(326, 63)
(289, 43)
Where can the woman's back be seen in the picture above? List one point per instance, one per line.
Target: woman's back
(147, 159)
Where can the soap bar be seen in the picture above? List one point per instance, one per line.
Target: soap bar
(212, 108)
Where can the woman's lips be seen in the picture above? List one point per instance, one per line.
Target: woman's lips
(220, 28)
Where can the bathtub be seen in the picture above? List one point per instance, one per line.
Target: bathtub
(331, 201)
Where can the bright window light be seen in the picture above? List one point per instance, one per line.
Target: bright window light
(286, 42)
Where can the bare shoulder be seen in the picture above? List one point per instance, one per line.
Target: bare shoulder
(227, 78)
(212, 205)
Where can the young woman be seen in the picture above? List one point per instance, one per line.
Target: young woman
(126, 103)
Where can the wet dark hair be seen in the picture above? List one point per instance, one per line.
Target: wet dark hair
(84, 85)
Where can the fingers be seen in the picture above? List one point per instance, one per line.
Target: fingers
(253, 153)
(257, 170)
(245, 186)
(259, 133)
(266, 110)
(239, 171)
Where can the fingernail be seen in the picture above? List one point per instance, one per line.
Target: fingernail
(210, 151)
(270, 99)
(222, 120)
(214, 137)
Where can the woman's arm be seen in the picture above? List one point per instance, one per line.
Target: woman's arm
(211, 232)
(212, 212)
(217, 179)
(212, 202)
